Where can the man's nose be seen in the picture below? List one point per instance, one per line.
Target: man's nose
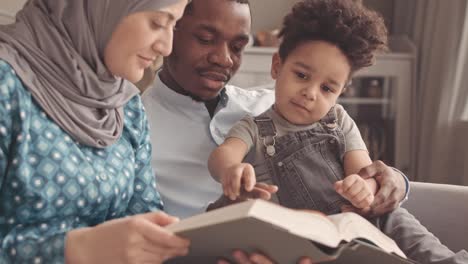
(221, 56)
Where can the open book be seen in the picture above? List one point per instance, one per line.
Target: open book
(285, 235)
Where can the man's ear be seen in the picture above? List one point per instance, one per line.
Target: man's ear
(275, 65)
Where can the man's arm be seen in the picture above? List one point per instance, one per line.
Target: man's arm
(407, 185)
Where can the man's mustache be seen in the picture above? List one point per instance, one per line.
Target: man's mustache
(216, 74)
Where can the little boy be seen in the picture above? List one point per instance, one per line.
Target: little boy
(306, 143)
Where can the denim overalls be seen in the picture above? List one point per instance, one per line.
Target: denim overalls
(305, 164)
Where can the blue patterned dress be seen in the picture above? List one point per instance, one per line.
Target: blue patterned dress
(50, 184)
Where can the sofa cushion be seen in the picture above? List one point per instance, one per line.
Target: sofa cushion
(443, 209)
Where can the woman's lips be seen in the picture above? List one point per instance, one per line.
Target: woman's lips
(147, 61)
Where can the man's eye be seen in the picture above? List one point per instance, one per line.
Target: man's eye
(204, 40)
(238, 48)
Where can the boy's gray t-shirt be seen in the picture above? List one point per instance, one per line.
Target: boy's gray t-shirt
(247, 131)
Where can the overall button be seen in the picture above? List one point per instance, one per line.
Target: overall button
(332, 125)
(332, 141)
(280, 164)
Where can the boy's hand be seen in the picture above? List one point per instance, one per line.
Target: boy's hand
(236, 177)
(355, 189)
(260, 191)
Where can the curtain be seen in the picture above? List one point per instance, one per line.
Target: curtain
(439, 106)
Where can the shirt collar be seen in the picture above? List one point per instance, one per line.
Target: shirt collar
(285, 124)
(161, 90)
(223, 98)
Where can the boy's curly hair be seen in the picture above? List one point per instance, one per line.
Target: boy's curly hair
(356, 30)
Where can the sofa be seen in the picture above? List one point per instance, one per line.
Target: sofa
(443, 209)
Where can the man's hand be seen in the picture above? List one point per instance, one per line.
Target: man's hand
(392, 187)
(256, 258)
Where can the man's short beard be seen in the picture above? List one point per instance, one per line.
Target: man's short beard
(197, 98)
(174, 85)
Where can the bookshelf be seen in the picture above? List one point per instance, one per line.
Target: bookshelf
(379, 100)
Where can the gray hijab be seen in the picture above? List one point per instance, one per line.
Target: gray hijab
(56, 48)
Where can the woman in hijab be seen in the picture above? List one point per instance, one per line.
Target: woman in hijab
(74, 144)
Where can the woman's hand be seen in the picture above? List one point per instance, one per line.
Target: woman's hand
(134, 239)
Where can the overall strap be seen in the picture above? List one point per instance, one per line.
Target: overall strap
(266, 127)
(330, 120)
(267, 132)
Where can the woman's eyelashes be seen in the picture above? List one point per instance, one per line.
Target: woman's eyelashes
(156, 25)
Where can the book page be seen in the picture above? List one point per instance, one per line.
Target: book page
(353, 226)
(307, 224)
(220, 215)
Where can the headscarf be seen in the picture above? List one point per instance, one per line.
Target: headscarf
(57, 47)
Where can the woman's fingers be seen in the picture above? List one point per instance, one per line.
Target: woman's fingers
(149, 226)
